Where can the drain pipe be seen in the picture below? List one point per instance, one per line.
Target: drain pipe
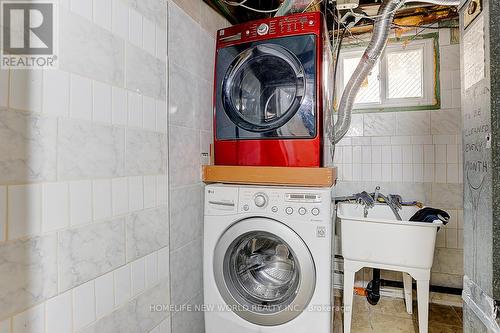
(381, 30)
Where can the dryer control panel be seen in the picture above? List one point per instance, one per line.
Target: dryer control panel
(270, 28)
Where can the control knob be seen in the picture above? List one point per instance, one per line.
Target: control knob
(260, 200)
(262, 29)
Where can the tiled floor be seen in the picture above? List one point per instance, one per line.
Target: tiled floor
(389, 315)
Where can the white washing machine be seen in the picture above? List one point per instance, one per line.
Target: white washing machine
(267, 259)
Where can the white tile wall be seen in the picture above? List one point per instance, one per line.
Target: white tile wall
(31, 320)
(104, 294)
(134, 109)
(25, 91)
(87, 101)
(119, 108)
(120, 196)
(136, 193)
(135, 28)
(123, 289)
(102, 198)
(149, 36)
(24, 210)
(82, 7)
(149, 191)
(80, 202)
(102, 102)
(56, 92)
(138, 276)
(84, 305)
(59, 314)
(3, 213)
(55, 206)
(149, 113)
(103, 13)
(81, 97)
(151, 269)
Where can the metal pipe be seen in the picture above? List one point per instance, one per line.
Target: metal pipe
(381, 30)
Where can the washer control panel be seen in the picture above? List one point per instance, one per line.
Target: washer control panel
(307, 205)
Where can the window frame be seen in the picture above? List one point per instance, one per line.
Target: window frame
(430, 78)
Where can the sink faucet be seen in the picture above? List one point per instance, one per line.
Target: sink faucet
(393, 202)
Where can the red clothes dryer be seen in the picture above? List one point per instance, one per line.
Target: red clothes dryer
(272, 92)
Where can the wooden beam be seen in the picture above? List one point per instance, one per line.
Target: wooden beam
(423, 16)
(309, 177)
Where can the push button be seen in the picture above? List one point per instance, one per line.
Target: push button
(315, 211)
(302, 211)
(274, 209)
(289, 210)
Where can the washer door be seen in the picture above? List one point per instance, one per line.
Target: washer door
(264, 271)
(263, 88)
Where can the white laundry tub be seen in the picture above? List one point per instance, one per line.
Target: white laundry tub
(380, 238)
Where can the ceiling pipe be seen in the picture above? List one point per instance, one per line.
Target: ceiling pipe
(381, 30)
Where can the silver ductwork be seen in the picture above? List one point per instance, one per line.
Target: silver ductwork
(381, 30)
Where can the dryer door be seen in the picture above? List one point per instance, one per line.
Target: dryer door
(264, 271)
(263, 88)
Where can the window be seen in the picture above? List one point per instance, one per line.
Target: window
(404, 76)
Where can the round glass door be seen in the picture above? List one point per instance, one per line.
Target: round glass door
(263, 88)
(264, 271)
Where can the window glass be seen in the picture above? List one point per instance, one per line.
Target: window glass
(405, 74)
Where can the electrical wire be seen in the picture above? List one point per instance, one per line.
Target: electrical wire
(242, 4)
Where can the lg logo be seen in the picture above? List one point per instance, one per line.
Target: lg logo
(28, 28)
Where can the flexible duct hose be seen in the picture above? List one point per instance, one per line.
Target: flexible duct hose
(381, 30)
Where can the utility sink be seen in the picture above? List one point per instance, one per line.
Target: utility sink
(379, 238)
(375, 238)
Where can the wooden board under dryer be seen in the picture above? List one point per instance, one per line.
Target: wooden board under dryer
(256, 175)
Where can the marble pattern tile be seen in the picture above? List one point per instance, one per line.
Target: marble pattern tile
(28, 273)
(186, 215)
(449, 261)
(413, 123)
(184, 107)
(90, 251)
(146, 153)
(154, 10)
(446, 122)
(87, 150)
(184, 156)
(135, 315)
(186, 275)
(205, 104)
(28, 149)
(147, 231)
(187, 322)
(206, 55)
(449, 196)
(145, 74)
(379, 124)
(90, 50)
(181, 50)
